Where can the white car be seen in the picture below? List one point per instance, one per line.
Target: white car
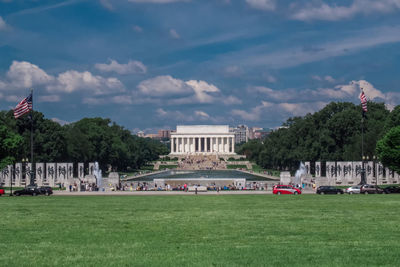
(353, 189)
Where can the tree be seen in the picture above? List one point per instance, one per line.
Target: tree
(9, 142)
(388, 149)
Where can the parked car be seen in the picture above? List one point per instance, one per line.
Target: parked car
(29, 190)
(370, 189)
(353, 189)
(392, 189)
(46, 190)
(2, 191)
(322, 190)
(285, 189)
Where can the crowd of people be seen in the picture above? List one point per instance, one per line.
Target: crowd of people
(199, 162)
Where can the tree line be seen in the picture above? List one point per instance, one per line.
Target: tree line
(87, 140)
(331, 134)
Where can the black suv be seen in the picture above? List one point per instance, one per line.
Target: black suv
(46, 190)
(392, 189)
(329, 190)
(29, 190)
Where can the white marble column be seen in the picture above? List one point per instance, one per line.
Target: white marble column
(186, 145)
(233, 144)
(172, 145)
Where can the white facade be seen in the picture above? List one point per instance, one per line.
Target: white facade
(202, 139)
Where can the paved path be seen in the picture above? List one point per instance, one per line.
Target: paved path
(167, 193)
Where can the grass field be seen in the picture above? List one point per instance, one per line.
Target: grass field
(226, 230)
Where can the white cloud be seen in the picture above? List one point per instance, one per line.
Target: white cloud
(262, 56)
(93, 101)
(174, 34)
(201, 89)
(187, 116)
(279, 95)
(266, 5)
(174, 115)
(326, 78)
(157, 1)
(59, 121)
(282, 110)
(122, 99)
(72, 80)
(324, 11)
(49, 98)
(231, 100)
(129, 68)
(107, 4)
(233, 71)
(13, 98)
(24, 75)
(3, 25)
(137, 28)
(201, 114)
(190, 91)
(270, 78)
(163, 85)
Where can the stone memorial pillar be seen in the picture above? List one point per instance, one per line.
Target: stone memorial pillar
(317, 169)
(307, 165)
(28, 168)
(379, 172)
(51, 174)
(389, 175)
(70, 170)
(369, 172)
(396, 178)
(62, 173)
(347, 171)
(81, 171)
(341, 169)
(356, 172)
(7, 174)
(18, 180)
(331, 172)
(91, 167)
(40, 173)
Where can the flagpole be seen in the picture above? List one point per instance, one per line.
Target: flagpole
(362, 149)
(32, 178)
(363, 110)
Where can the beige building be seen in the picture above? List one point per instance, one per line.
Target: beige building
(202, 139)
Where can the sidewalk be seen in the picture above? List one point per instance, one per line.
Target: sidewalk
(167, 193)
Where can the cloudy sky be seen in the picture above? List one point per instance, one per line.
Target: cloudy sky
(151, 64)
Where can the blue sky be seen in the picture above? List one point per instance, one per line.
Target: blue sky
(152, 64)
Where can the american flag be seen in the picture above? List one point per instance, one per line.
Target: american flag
(363, 101)
(23, 107)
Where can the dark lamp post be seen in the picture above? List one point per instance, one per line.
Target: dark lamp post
(363, 179)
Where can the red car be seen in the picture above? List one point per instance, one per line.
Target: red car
(1, 192)
(285, 189)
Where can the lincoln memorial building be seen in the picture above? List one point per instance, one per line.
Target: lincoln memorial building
(202, 139)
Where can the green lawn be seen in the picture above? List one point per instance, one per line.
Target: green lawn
(236, 167)
(162, 167)
(225, 230)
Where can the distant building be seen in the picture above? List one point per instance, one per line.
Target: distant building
(241, 134)
(152, 136)
(202, 140)
(252, 131)
(140, 134)
(164, 134)
(261, 134)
